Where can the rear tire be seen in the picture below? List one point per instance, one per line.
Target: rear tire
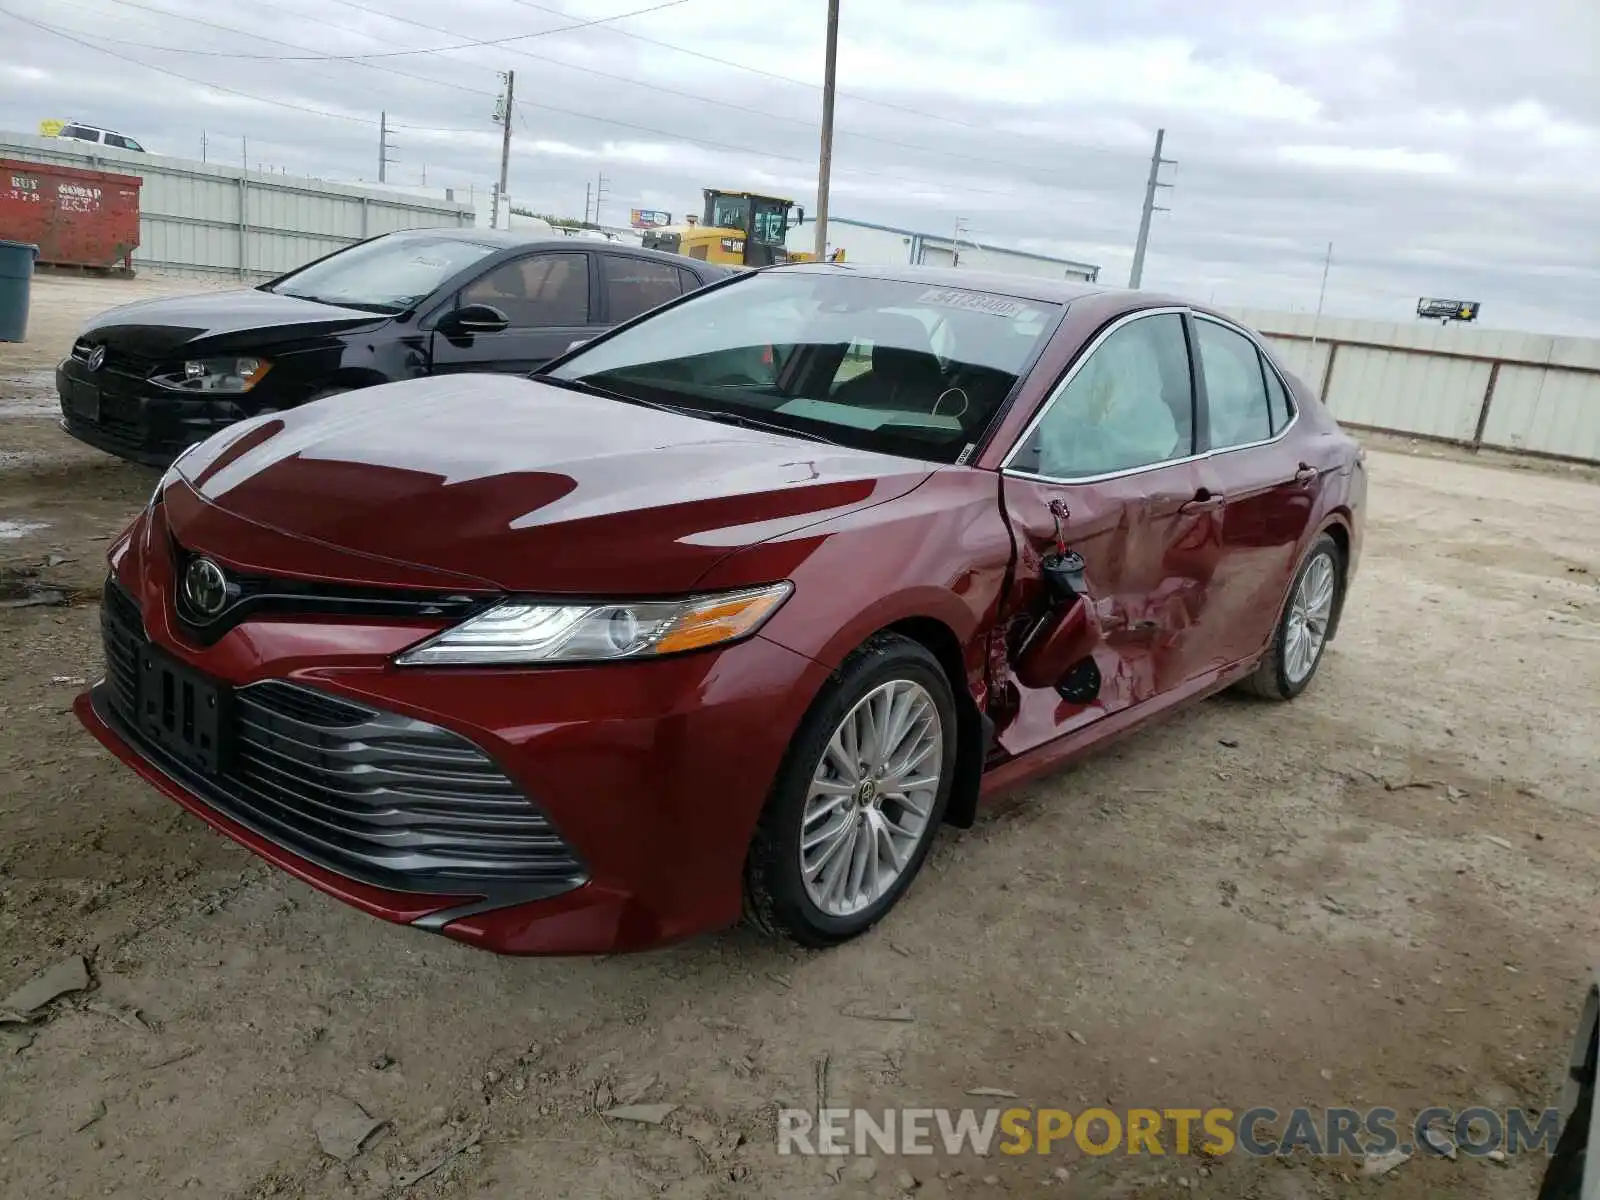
(858, 799)
(1301, 637)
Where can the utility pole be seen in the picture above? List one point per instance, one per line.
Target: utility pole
(588, 198)
(384, 147)
(1150, 206)
(503, 115)
(244, 151)
(1321, 293)
(955, 241)
(202, 145)
(825, 157)
(599, 195)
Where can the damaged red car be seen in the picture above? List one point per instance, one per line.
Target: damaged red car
(727, 610)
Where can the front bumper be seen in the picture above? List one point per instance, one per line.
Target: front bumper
(126, 415)
(651, 775)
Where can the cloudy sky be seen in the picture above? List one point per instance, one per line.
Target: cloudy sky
(1444, 149)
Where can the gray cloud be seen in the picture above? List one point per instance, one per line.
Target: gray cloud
(1443, 152)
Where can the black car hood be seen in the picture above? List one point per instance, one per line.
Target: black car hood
(241, 320)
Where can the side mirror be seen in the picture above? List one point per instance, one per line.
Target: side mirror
(473, 318)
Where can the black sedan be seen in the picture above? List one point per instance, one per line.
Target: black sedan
(148, 380)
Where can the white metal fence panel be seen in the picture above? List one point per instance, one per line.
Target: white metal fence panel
(1387, 389)
(1525, 392)
(207, 219)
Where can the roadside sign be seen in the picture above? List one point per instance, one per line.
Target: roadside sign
(51, 127)
(648, 218)
(1447, 310)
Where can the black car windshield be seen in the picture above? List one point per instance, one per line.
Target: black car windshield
(387, 274)
(904, 368)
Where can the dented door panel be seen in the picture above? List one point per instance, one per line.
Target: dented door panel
(1149, 552)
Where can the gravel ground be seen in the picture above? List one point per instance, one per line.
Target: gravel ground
(1381, 894)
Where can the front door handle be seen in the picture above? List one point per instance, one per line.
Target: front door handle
(1204, 500)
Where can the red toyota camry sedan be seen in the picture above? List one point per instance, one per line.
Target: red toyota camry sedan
(727, 610)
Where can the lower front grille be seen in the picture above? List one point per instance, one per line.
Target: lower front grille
(381, 798)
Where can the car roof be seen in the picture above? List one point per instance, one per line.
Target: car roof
(503, 239)
(1022, 287)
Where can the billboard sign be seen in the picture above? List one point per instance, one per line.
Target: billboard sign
(51, 127)
(1447, 310)
(648, 218)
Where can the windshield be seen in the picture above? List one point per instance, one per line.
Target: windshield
(387, 274)
(881, 364)
(728, 212)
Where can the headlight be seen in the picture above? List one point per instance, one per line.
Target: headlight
(527, 632)
(230, 375)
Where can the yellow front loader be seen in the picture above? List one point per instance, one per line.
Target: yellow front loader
(738, 229)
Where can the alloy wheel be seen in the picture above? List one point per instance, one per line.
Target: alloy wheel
(1310, 612)
(871, 797)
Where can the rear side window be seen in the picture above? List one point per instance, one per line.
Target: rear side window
(636, 285)
(689, 281)
(1277, 398)
(546, 290)
(1235, 390)
(80, 133)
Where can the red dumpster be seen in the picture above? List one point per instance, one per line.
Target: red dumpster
(77, 218)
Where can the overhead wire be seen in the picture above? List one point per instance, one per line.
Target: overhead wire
(361, 60)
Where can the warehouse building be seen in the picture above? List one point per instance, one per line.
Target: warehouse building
(885, 245)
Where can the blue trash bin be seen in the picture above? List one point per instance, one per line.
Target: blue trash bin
(16, 282)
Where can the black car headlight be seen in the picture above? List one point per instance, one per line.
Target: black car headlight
(227, 375)
(531, 632)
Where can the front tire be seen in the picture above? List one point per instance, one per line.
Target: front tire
(858, 798)
(1301, 637)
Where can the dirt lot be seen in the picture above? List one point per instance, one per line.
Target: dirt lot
(1384, 893)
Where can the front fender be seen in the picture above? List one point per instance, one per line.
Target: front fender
(939, 552)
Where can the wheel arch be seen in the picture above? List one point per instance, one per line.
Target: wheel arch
(974, 729)
(1337, 527)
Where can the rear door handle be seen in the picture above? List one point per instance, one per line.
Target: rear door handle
(1305, 474)
(1204, 500)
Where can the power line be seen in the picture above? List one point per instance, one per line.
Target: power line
(218, 87)
(728, 104)
(501, 41)
(805, 83)
(761, 152)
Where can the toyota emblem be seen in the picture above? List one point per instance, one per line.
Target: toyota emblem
(96, 359)
(205, 588)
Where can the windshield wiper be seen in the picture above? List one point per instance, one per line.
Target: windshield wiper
(358, 305)
(583, 385)
(733, 418)
(708, 414)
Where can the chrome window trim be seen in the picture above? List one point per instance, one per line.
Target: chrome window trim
(1127, 319)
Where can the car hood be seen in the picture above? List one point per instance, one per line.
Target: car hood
(530, 487)
(243, 319)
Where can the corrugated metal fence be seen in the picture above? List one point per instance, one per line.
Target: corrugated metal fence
(207, 219)
(1524, 392)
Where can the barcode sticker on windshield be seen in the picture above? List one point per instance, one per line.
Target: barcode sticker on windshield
(997, 306)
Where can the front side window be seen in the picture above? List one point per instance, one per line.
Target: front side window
(539, 292)
(1236, 392)
(636, 285)
(882, 364)
(387, 274)
(1130, 404)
